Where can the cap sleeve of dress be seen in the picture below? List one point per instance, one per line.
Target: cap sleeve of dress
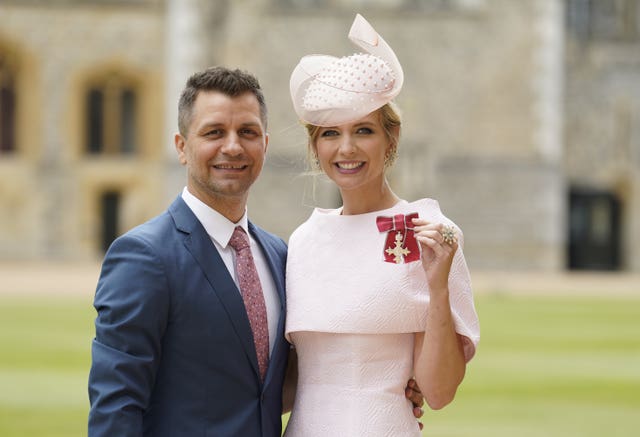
(463, 309)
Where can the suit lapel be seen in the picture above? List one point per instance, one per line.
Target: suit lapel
(199, 244)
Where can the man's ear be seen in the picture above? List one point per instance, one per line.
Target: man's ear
(180, 144)
(266, 142)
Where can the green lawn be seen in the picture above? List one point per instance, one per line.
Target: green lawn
(44, 362)
(546, 366)
(550, 367)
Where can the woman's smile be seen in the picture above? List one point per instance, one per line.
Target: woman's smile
(349, 166)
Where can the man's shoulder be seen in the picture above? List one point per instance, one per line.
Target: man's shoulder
(153, 224)
(157, 231)
(176, 216)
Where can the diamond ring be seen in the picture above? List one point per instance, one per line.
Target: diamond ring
(449, 234)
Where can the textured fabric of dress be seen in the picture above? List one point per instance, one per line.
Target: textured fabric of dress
(352, 318)
(251, 290)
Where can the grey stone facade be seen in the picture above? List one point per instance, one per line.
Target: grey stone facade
(507, 107)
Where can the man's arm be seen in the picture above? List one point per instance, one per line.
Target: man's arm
(132, 304)
(290, 381)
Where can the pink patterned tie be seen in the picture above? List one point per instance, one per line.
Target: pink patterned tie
(251, 291)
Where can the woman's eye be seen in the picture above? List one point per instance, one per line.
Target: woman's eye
(329, 133)
(365, 130)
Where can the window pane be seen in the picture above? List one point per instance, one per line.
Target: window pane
(128, 122)
(578, 18)
(599, 19)
(301, 4)
(7, 107)
(95, 121)
(7, 119)
(615, 19)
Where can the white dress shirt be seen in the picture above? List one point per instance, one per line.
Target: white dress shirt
(220, 230)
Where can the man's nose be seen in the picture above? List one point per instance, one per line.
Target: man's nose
(232, 145)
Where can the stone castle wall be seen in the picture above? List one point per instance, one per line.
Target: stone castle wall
(500, 116)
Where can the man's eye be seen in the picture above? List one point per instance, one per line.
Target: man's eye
(213, 132)
(248, 132)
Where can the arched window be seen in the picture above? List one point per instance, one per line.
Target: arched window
(111, 117)
(7, 106)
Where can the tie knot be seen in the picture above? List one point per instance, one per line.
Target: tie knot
(239, 239)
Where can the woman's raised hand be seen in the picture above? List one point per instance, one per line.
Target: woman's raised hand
(439, 243)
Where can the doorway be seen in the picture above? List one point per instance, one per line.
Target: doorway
(110, 212)
(594, 230)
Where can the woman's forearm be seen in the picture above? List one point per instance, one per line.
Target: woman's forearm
(439, 358)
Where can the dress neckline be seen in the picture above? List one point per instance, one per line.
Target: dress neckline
(337, 212)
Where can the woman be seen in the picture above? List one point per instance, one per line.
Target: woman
(378, 290)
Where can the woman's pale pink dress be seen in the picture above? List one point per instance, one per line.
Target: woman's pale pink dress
(352, 317)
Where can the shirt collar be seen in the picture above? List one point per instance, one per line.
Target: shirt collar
(215, 224)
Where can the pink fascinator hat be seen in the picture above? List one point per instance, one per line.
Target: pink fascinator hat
(328, 91)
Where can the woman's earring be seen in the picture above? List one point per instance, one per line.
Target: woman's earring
(390, 157)
(316, 162)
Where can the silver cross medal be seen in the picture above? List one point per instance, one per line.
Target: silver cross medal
(398, 252)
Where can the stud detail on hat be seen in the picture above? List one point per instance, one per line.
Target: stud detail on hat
(334, 81)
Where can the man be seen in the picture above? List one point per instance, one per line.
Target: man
(180, 350)
(174, 352)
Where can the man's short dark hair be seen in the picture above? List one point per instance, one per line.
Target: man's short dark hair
(232, 83)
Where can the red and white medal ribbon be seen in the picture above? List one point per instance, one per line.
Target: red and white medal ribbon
(400, 245)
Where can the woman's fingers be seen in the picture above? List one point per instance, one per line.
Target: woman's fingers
(439, 233)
